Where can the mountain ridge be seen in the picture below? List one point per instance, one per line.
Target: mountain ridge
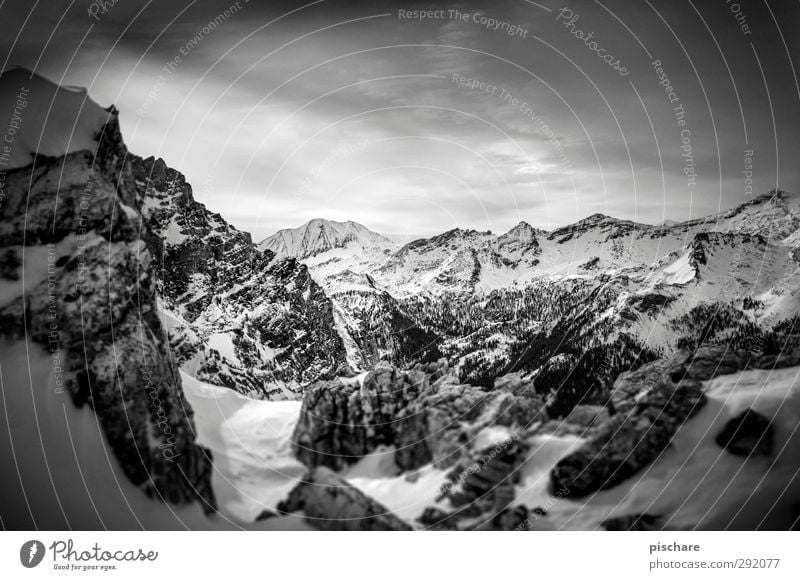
(285, 238)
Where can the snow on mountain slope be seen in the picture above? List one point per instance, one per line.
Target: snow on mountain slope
(407, 497)
(45, 118)
(346, 257)
(468, 261)
(319, 235)
(774, 216)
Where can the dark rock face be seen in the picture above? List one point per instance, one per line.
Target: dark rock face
(747, 435)
(423, 412)
(634, 522)
(328, 502)
(651, 303)
(193, 240)
(276, 320)
(98, 306)
(698, 256)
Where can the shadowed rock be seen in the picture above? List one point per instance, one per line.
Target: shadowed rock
(747, 434)
(328, 502)
(633, 522)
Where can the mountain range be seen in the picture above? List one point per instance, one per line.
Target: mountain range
(331, 298)
(478, 298)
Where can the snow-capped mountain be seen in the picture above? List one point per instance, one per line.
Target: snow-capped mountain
(319, 235)
(460, 261)
(603, 285)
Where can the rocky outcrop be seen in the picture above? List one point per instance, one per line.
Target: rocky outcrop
(480, 489)
(424, 413)
(328, 502)
(96, 307)
(242, 319)
(747, 435)
(647, 417)
(627, 443)
(649, 406)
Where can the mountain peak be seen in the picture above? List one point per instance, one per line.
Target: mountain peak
(523, 231)
(597, 218)
(321, 235)
(523, 228)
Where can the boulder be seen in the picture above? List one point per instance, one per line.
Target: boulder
(512, 519)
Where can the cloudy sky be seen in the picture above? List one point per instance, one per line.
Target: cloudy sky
(479, 115)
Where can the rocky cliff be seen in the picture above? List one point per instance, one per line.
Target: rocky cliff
(70, 232)
(237, 316)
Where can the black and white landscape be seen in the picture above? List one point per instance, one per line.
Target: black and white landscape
(445, 266)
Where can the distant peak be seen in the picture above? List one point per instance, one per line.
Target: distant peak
(320, 235)
(596, 217)
(522, 226)
(522, 230)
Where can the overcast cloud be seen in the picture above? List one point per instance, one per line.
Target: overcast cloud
(345, 110)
